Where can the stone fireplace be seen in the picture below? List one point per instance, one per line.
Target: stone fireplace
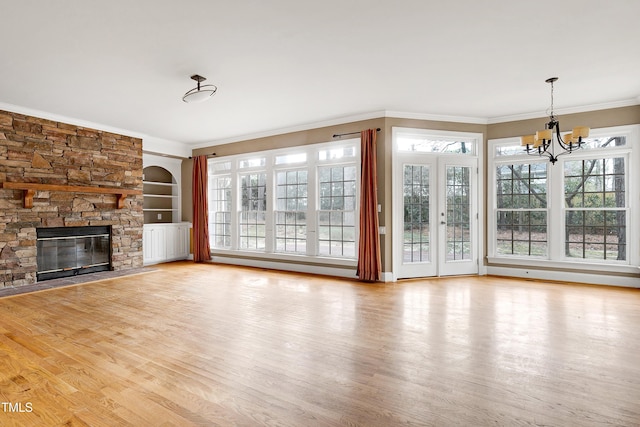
(55, 175)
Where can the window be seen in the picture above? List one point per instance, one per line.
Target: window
(291, 211)
(220, 211)
(336, 215)
(252, 162)
(441, 144)
(295, 202)
(577, 210)
(595, 209)
(287, 159)
(337, 153)
(253, 193)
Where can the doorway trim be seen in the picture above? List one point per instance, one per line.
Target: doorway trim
(397, 199)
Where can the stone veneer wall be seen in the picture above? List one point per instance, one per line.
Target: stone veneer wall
(48, 152)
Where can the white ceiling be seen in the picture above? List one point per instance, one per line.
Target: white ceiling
(282, 64)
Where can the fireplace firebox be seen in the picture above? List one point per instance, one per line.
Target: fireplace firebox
(70, 251)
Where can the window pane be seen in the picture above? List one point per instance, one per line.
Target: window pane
(219, 166)
(522, 186)
(596, 234)
(522, 233)
(337, 153)
(286, 159)
(595, 183)
(425, 144)
(602, 142)
(514, 149)
(252, 163)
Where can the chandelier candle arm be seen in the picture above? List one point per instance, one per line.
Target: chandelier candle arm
(542, 143)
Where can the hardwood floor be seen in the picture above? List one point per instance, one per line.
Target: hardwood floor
(207, 345)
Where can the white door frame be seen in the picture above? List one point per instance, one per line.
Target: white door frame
(452, 267)
(397, 220)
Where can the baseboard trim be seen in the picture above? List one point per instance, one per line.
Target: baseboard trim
(563, 276)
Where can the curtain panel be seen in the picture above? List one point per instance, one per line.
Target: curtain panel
(369, 265)
(201, 248)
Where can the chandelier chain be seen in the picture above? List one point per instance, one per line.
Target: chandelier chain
(550, 110)
(551, 113)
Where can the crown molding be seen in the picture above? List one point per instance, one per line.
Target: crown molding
(437, 117)
(415, 116)
(568, 110)
(340, 121)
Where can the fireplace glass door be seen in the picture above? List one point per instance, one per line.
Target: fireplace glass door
(72, 250)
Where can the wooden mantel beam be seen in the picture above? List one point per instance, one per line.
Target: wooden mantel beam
(29, 189)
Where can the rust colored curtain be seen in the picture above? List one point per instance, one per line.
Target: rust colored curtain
(369, 265)
(201, 249)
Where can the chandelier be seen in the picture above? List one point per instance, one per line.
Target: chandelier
(199, 93)
(542, 143)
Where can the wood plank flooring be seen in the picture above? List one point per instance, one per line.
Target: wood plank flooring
(210, 345)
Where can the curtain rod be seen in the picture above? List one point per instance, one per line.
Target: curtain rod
(338, 135)
(208, 155)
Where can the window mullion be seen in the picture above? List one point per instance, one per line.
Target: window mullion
(312, 205)
(556, 211)
(235, 205)
(269, 231)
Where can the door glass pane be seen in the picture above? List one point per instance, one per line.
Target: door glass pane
(415, 246)
(458, 213)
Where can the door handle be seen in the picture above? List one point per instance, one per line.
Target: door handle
(443, 222)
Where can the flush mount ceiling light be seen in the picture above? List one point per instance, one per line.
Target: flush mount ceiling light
(199, 93)
(542, 143)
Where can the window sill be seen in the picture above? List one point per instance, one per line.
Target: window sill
(287, 258)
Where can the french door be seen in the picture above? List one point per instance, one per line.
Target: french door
(435, 215)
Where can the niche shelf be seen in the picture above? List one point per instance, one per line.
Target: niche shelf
(160, 192)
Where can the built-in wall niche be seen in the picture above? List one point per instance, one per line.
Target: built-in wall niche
(161, 199)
